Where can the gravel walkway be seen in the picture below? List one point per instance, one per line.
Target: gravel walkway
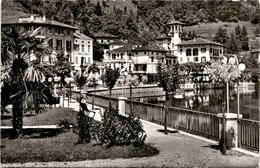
(176, 150)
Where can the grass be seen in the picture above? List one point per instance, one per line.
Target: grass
(53, 116)
(64, 147)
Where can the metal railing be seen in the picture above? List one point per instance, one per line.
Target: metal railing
(195, 122)
(248, 134)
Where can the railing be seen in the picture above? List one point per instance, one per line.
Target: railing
(203, 124)
(248, 134)
(101, 101)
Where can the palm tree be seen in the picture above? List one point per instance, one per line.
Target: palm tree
(21, 74)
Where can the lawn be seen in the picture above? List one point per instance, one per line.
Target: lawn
(64, 147)
(53, 116)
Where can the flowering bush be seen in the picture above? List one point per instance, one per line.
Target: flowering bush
(116, 130)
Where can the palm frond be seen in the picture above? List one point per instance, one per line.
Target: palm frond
(34, 74)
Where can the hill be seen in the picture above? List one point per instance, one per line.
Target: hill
(11, 8)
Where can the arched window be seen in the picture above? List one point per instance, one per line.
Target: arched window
(188, 52)
(195, 52)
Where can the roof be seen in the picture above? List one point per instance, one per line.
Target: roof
(162, 37)
(149, 47)
(175, 22)
(104, 34)
(26, 20)
(199, 41)
(123, 49)
(123, 42)
(82, 36)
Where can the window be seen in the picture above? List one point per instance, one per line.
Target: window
(136, 53)
(121, 55)
(195, 52)
(77, 60)
(220, 51)
(210, 50)
(82, 60)
(130, 68)
(157, 53)
(203, 50)
(122, 65)
(59, 44)
(196, 59)
(68, 45)
(82, 48)
(58, 30)
(49, 30)
(152, 59)
(203, 59)
(162, 59)
(181, 50)
(152, 53)
(62, 31)
(88, 48)
(102, 41)
(68, 32)
(188, 52)
(144, 52)
(76, 46)
(50, 42)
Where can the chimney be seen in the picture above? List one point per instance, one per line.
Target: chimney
(43, 18)
(31, 17)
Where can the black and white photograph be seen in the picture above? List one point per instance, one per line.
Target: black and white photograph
(130, 83)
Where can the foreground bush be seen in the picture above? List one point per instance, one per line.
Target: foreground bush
(116, 130)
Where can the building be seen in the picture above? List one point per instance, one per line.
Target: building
(120, 54)
(199, 50)
(183, 50)
(83, 52)
(104, 39)
(64, 38)
(146, 58)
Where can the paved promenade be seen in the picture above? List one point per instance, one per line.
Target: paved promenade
(176, 150)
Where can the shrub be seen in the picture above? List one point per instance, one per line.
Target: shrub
(83, 128)
(116, 130)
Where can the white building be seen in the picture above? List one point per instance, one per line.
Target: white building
(64, 38)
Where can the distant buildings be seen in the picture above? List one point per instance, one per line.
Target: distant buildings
(77, 47)
(171, 48)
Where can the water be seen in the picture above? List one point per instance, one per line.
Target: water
(211, 101)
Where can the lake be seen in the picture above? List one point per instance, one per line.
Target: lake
(211, 101)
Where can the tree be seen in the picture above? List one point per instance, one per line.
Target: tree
(109, 79)
(93, 79)
(238, 36)
(21, 74)
(131, 81)
(223, 73)
(221, 36)
(98, 10)
(62, 69)
(80, 81)
(169, 79)
(244, 39)
(233, 44)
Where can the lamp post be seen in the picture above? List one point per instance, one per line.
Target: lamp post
(233, 60)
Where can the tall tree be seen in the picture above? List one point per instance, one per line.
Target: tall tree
(169, 79)
(238, 32)
(21, 74)
(244, 39)
(98, 10)
(221, 36)
(233, 44)
(109, 79)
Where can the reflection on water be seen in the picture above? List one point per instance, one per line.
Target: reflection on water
(211, 101)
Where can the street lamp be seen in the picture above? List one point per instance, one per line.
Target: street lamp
(233, 60)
